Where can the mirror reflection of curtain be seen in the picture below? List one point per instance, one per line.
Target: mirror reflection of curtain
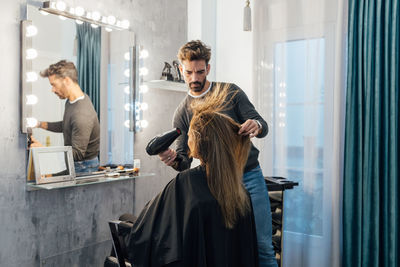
(300, 84)
(88, 61)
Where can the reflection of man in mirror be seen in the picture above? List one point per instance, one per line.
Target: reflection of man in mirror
(80, 125)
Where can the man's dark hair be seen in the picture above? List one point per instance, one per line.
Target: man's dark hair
(61, 69)
(194, 50)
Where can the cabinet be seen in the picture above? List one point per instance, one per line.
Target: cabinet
(276, 188)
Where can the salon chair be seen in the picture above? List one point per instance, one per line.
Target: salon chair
(120, 230)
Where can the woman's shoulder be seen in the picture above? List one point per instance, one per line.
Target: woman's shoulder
(193, 182)
(193, 179)
(198, 171)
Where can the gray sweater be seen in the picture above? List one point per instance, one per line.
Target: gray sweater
(81, 129)
(242, 109)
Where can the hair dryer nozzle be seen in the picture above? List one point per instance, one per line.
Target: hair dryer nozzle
(162, 142)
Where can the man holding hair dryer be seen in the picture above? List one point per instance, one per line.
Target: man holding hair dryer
(194, 59)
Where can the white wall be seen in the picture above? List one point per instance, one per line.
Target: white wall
(234, 53)
(220, 25)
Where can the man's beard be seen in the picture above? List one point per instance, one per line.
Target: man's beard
(199, 85)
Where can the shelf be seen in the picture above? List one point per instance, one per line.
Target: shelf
(83, 182)
(166, 85)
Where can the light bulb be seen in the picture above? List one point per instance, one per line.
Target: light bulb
(60, 5)
(143, 89)
(89, 15)
(31, 122)
(111, 20)
(127, 56)
(104, 20)
(144, 106)
(144, 53)
(96, 15)
(108, 29)
(127, 73)
(127, 90)
(127, 107)
(72, 10)
(31, 99)
(79, 11)
(125, 24)
(144, 123)
(31, 53)
(62, 17)
(31, 31)
(44, 13)
(79, 21)
(143, 71)
(127, 124)
(31, 76)
(94, 26)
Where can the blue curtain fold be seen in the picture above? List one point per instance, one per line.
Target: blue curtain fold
(371, 163)
(88, 61)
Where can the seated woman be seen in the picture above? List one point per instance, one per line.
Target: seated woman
(203, 217)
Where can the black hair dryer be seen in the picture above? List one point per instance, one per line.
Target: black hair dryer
(162, 142)
(29, 132)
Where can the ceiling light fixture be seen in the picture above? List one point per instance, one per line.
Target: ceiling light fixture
(247, 17)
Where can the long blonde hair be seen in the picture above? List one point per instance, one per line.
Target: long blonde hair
(223, 151)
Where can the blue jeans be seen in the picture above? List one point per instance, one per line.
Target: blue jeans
(89, 165)
(254, 182)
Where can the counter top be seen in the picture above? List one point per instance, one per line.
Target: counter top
(83, 181)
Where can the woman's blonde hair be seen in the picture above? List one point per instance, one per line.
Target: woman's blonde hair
(222, 150)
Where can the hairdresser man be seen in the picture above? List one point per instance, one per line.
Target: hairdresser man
(80, 125)
(194, 57)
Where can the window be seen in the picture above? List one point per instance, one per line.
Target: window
(298, 118)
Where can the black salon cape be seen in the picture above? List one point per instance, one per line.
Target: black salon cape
(183, 225)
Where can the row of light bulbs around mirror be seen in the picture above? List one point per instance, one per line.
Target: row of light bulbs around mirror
(80, 14)
(139, 106)
(32, 76)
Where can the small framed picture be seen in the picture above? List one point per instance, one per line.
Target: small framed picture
(51, 164)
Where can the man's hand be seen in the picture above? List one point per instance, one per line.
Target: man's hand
(168, 156)
(42, 124)
(35, 142)
(250, 127)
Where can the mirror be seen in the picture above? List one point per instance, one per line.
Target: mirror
(60, 38)
(52, 164)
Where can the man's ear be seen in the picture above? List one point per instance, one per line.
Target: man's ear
(181, 68)
(208, 68)
(68, 81)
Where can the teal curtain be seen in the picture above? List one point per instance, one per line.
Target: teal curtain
(88, 61)
(371, 163)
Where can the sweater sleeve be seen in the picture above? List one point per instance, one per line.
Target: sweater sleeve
(56, 127)
(246, 110)
(182, 161)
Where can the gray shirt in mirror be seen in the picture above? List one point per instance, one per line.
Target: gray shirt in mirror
(81, 129)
